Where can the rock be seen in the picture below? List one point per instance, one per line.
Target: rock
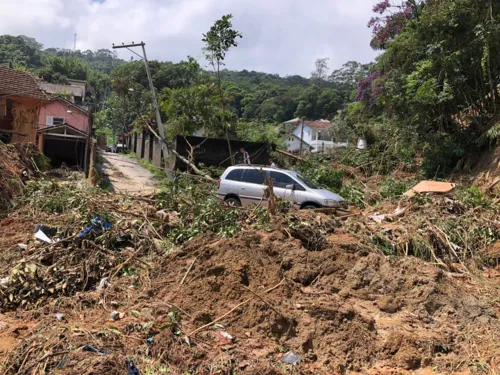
(290, 358)
(115, 315)
(388, 304)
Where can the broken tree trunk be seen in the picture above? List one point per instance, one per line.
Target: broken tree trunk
(182, 158)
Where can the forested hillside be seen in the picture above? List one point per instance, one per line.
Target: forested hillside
(251, 96)
(432, 91)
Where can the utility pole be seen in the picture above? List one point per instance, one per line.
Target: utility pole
(153, 93)
(301, 136)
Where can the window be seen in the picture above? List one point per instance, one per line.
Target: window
(307, 182)
(235, 175)
(253, 176)
(53, 121)
(281, 180)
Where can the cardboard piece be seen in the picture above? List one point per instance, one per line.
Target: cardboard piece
(430, 187)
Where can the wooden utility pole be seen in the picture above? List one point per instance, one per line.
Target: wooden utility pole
(161, 130)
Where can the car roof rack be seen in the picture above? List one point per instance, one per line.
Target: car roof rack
(256, 165)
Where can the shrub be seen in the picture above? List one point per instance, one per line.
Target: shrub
(324, 176)
(472, 196)
(390, 188)
(354, 195)
(441, 156)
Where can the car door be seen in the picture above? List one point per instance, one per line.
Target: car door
(252, 187)
(231, 183)
(282, 186)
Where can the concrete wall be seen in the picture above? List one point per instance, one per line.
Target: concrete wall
(157, 153)
(138, 152)
(146, 146)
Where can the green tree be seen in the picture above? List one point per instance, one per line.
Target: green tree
(189, 109)
(320, 74)
(20, 51)
(217, 41)
(346, 78)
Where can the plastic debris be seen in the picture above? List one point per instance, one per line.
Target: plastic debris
(44, 233)
(23, 246)
(115, 315)
(103, 284)
(132, 369)
(377, 218)
(59, 316)
(290, 358)
(98, 225)
(226, 335)
(5, 281)
(88, 348)
(150, 341)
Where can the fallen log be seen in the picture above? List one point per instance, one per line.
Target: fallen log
(182, 158)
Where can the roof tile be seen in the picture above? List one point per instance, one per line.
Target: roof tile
(18, 83)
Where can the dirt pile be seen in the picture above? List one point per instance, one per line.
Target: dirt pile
(300, 287)
(17, 165)
(342, 308)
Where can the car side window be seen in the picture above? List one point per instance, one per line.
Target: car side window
(235, 175)
(253, 176)
(281, 180)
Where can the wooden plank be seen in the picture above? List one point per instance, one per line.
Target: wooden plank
(13, 132)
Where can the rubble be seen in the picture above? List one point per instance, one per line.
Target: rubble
(191, 286)
(18, 164)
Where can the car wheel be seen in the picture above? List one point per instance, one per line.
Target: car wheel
(309, 207)
(233, 202)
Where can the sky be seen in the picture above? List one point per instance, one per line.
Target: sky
(282, 37)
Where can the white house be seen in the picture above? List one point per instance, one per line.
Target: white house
(315, 135)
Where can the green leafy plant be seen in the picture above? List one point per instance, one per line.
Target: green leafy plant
(324, 176)
(390, 188)
(473, 196)
(353, 194)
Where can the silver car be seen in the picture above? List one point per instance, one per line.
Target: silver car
(245, 185)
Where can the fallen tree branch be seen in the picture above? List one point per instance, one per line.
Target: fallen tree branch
(182, 158)
(120, 266)
(187, 272)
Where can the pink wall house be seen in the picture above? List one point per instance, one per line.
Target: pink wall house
(61, 111)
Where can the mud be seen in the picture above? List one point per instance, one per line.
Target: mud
(237, 305)
(342, 308)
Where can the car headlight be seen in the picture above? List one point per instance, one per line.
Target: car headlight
(331, 203)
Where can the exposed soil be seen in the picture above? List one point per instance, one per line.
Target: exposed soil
(344, 309)
(236, 305)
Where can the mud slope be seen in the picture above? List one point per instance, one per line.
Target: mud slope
(342, 308)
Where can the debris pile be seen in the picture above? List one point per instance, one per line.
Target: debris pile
(18, 163)
(177, 284)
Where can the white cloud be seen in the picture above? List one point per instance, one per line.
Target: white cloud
(279, 36)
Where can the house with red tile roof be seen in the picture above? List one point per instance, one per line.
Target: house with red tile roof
(20, 101)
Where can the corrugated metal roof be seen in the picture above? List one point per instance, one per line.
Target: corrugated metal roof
(18, 83)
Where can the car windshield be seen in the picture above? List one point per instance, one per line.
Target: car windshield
(307, 182)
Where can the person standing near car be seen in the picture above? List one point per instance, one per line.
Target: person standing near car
(272, 164)
(246, 156)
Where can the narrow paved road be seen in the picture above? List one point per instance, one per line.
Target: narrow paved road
(126, 175)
